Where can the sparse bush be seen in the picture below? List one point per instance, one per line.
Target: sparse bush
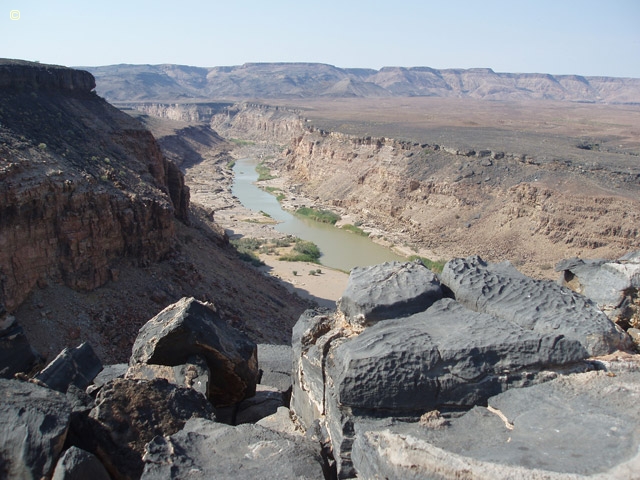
(303, 251)
(264, 172)
(322, 216)
(42, 146)
(434, 266)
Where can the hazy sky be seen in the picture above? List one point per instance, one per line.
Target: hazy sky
(586, 37)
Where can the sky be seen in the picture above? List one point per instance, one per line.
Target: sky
(583, 37)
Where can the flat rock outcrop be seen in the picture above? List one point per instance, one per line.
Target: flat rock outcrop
(577, 426)
(190, 327)
(206, 449)
(454, 354)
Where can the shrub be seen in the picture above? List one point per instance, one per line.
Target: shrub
(433, 265)
(322, 216)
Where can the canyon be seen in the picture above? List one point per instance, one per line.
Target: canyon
(96, 225)
(178, 359)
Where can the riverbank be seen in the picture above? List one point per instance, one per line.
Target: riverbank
(324, 288)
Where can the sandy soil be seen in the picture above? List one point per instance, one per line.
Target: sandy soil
(324, 288)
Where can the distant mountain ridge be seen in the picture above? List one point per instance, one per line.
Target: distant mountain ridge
(123, 83)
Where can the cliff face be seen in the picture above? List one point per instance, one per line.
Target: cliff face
(258, 122)
(450, 200)
(81, 184)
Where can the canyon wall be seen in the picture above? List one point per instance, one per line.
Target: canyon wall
(444, 201)
(81, 184)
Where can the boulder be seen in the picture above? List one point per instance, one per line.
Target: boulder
(134, 411)
(190, 327)
(33, 427)
(108, 373)
(78, 464)
(205, 449)
(538, 305)
(613, 285)
(528, 433)
(388, 290)
(193, 374)
(16, 354)
(73, 366)
(447, 356)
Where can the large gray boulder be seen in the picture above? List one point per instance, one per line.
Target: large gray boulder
(73, 366)
(33, 427)
(78, 464)
(613, 285)
(388, 290)
(538, 305)
(208, 450)
(445, 356)
(577, 426)
(190, 327)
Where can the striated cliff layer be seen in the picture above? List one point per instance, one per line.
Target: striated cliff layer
(81, 184)
(449, 200)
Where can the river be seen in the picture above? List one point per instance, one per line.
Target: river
(340, 249)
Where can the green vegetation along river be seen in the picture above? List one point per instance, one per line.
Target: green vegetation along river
(340, 249)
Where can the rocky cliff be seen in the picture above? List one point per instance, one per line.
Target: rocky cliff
(96, 226)
(548, 201)
(82, 184)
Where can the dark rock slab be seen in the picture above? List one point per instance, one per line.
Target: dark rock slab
(134, 411)
(208, 450)
(16, 354)
(388, 290)
(193, 374)
(577, 426)
(73, 366)
(612, 284)
(537, 305)
(188, 328)
(275, 363)
(33, 427)
(78, 464)
(447, 356)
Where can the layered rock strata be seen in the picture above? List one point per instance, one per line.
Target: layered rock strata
(81, 184)
(529, 198)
